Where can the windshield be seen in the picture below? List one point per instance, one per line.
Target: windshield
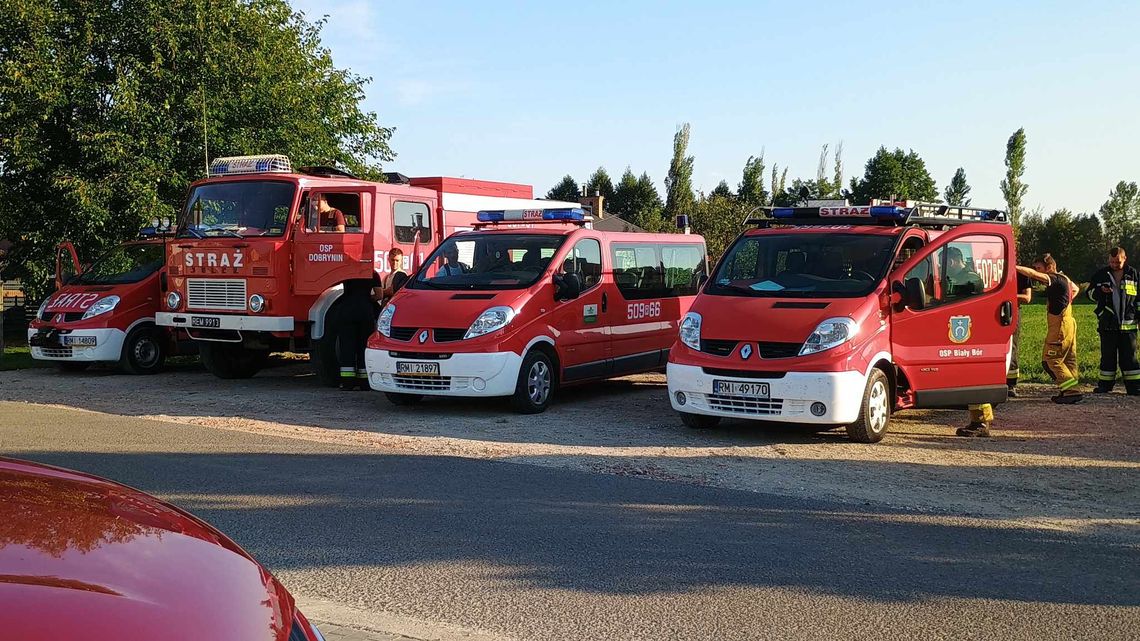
(488, 261)
(123, 264)
(237, 209)
(803, 265)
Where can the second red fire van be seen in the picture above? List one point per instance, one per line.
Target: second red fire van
(838, 316)
(529, 301)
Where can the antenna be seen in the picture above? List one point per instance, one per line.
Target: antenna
(202, 85)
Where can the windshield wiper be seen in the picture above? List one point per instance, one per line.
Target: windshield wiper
(229, 232)
(194, 232)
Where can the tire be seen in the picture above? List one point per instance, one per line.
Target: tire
(226, 360)
(875, 411)
(72, 367)
(143, 351)
(535, 386)
(404, 400)
(699, 421)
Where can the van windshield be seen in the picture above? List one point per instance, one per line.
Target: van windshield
(797, 265)
(488, 261)
(123, 264)
(237, 209)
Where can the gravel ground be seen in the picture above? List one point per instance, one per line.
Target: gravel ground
(1074, 468)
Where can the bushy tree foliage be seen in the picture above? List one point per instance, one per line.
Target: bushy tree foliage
(751, 190)
(1121, 215)
(567, 189)
(679, 198)
(599, 183)
(637, 201)
(894, 174)
(958, 191)
(105, 109)
(1013, 188)
(719, 220)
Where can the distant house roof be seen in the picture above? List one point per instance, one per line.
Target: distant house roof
(614, 223)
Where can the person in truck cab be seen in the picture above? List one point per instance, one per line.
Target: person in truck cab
(1059, 355)
(329, 218)
(451, 265)
(960, 280)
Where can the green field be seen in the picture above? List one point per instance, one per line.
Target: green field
(18, 357)
(1033, 338)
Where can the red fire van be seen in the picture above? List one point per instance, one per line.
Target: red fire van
(105, 313)
(531, 300)
(839, 316)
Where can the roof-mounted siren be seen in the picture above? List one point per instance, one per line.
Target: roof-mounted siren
(265, 164)
(573, 215)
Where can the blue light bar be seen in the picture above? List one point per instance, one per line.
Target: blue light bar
(784, 212)
(235, 165)
(524, 215)
(899, 213)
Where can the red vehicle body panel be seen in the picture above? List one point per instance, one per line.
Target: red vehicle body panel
(85, 558)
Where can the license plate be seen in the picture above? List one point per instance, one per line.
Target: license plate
(733, 388)
(81, 341)
(417, 369)
(205, 321)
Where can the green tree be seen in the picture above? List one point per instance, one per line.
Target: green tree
(106, 109)
(719, 220)
(1030, 236)
(566, 189)
(723, 190)
(679, 197)
(1012, 187)
(751, 190)
(1077, 242)
(894, 174)
(826, 186)
(637, 201)
(599, 182)
(1121, 215)
(958, 191)
(778, 181)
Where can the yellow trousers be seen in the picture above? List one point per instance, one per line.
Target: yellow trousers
(982, 413)
(1060, 353)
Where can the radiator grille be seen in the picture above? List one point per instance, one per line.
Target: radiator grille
(745, 405)
(423, 382)
(447, 334)
(54, 352)
(403, 333)
(215, 293)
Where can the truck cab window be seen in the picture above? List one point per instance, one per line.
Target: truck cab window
(405, 217)
(332, 213)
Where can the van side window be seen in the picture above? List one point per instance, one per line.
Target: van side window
(404, 216)
(585, 259)
(968, 267)
(331, 213)
(657, 270)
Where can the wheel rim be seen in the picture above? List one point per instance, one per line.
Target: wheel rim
(877, 407)
(538, 382)
(146, 352)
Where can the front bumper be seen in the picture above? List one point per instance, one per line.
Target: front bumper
(185, 320)
(51, 344)
(789, 401)
(460, 374)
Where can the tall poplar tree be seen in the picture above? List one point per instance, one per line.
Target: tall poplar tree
(679, 198)
(1013, 188)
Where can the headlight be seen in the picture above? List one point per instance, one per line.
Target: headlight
(101, 306)
(489, 321)
(173, 300)
(832, 332)
(384, 323)
(691, 330)
(256, 303)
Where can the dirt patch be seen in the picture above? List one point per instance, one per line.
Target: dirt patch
(1070, 468)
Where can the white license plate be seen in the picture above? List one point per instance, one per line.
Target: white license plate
(407, 368)
(79, 341)
(205, 321)
(734, 388)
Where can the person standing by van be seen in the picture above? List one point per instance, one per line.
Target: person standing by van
(1113, 289)
(394, 279)
(1024, 297)
(1059, 355)
(354, 319)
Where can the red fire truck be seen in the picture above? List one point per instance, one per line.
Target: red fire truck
(838, 316)
(255, 264)
(105, 312)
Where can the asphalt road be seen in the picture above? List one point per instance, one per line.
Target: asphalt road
(539, 553)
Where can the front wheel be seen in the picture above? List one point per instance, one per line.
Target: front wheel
(875, 413)
(143, 351)
(227, 360)
(535, 385)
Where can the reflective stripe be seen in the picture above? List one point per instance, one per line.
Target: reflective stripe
(1132, 376)
(361, 373)
(347, 372)
(1108, 376)
(1069, 384)
(1128, 327)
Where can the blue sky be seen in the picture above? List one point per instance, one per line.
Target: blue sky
(528, 92)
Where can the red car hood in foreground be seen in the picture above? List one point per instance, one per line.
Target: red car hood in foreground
(84, 558)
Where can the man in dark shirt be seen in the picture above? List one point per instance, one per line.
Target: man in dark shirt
(1024, 296)
(1059, 355)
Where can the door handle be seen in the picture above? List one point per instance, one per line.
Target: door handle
(604, 301)
(1005, 313)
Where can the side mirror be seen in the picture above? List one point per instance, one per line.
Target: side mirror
(915, 294)
(567, 286)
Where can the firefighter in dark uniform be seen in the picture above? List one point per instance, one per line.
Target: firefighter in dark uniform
(1024, 297)
(1113, 289)
(355, 319)
(1059, 354)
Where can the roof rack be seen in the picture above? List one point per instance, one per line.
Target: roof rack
(891, 214)
(325, 171)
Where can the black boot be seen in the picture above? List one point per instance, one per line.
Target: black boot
(975, 429)
(1104, 387)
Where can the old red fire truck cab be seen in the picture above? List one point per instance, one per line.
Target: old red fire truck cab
(104, 313)
(262, 251)
(514, 310)
(838, 316)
